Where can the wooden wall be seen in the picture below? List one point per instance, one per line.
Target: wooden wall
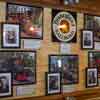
(48, 47)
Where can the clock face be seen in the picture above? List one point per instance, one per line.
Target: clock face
(64, 26)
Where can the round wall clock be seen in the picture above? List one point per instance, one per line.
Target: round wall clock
(64, 26)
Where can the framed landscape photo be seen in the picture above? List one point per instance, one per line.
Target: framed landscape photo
(92, 22)
(64, 26)
(29, 17)
(21, 63)
(10, 35)
(91, 77)
(67, 65)
(94, 60)
(87, 39)
(5, 84)
(53, 83)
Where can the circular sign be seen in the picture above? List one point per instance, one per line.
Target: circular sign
(64, 26)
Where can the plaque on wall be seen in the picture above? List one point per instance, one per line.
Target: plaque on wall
(63, 26)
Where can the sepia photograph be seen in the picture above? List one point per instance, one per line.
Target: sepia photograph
(22, 64)
(91, 77)
(53, 83)
(5, 84)
(87, 39)
(10, 35)
(68, 65)
(29, 17)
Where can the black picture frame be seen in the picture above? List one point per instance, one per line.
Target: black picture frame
(22, 64)
(91, 77)
(67, 19)
(67, 65)
(55, 86)
(92, 22)
(10, 35)
(30, 18)
(94, 60)
(87, 39)
(6, 88)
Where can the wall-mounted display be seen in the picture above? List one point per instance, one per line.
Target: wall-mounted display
(94, 60)
(70, 2)
(68, 65)
(53, 83)
(87, 39)
(93, 22)
(10, 35)
(91, 77)
(21, 63)
(30, 18)
(64, 26)
(5, 84)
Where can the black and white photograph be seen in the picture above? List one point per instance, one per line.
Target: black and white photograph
(87, 39)
(67, 65)
(91, 77)
(10, 35)
(21, 63)
(5, 84)
(53, 83)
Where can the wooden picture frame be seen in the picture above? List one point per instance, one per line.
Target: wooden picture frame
(67, 65)
(91, 77)
(21, 63)
(10, 34)
(92, 22)
(53, 83)
(87, 39)
(29, 17)
(6, 89)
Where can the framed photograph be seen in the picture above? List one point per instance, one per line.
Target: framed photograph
(21, 63)
(10, 35)
(91, 77)
(94, 60)
(92, 22)
(5, 84)
(53, 83)
(69, 2)
(29, 17)
(64, 26)
(68, 65)
(87, 39)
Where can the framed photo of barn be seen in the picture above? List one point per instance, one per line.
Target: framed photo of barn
(29, 17)
(21, 63)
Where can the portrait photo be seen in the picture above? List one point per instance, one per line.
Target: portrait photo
(5, 84)
(10, 35)
(91, 77)
(53, 83)
(87, 39)
(92, 22)
(21, 63)
(29, 17)
(68, 65)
